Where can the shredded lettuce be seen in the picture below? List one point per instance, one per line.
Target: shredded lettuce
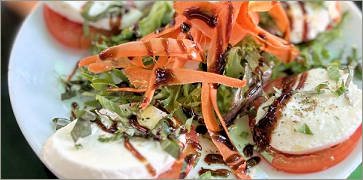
(161, 14)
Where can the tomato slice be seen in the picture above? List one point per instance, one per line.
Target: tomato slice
(312, 162)
(67, 32)
(317, 161)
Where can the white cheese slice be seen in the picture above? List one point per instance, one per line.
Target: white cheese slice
(331, 118)
(317, 18)
(72, 11)
(101, 160)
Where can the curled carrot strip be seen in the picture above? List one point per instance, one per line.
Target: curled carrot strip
(126, 90)
(154, 47)
(88, 60)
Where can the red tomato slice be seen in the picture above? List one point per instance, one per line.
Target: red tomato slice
(67, 32)
(317, 161)
(312, 162)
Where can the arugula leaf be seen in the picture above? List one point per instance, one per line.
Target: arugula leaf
(114, 107)
(171, 146)
(304, 129)
(161, 13)
(206, 175)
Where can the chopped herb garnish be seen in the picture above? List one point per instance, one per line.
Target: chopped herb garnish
(60, 122)
(78, 146)
(333, 71)
(341, 89)
(114, 107)
(171, 146)
(81, 129)
(206, 175)
(115, 137)
(304, 129)
(244, 134)
(321, 87)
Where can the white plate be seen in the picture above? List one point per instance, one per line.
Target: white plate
(37, 60)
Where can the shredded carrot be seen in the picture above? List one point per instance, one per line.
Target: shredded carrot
(187, 76)
(126, 90)
(88, 60)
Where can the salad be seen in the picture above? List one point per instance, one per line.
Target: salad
(200, 89)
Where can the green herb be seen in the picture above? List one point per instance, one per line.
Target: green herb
(161, 14)
(115, 137)
(244, 134)
(341, 89)
(333, 71)
(317, 4)
(234, 67)
(81, 129)
(114, 107)
(188, 123)
(78, 146)
(206, 175)
(267, 156)
(60, 122)
(304, 129)
(320, 87)
(171, 146)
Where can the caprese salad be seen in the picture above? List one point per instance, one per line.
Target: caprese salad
(251, 78)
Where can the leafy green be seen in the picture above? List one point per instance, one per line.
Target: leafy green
(206, 175)
(171, 146)
(244, 134)
(82, 128)
(188, 123)
(60, 122)
(161, 13)
(333, 70)
(234, 67)
(304, 129)
(102, 42)
(341, 89)
(114, 107)
(115, 137)
(320, 87)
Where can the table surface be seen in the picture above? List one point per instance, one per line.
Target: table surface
(17, 158)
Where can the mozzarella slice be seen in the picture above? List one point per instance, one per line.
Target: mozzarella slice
(317, 18)
(102, 160)
(330, 118)
(72, 11)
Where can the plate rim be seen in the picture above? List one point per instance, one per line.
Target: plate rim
(351, 6)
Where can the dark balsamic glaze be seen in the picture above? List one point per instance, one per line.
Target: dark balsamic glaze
(233, 158)
(148, 48)
(115, 25)
(201, 129)
(184, 27)
(263, 129)
(197, 13)
(306, 27)
(223, 138)
(217, 172)
(213, 159)
(253, 161)
(248, 150)
(112, 129)
(195, 145)
(135, 124)
(162, 76)
(140, 157)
